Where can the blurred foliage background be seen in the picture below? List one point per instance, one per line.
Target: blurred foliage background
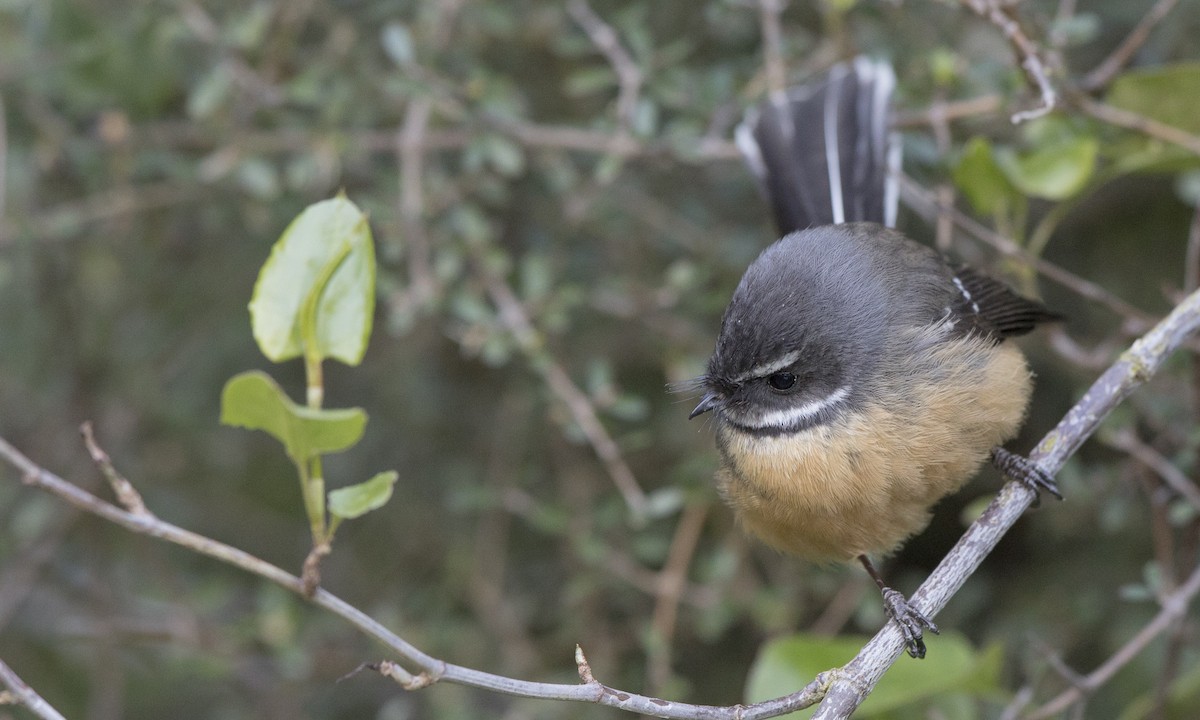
(559, 224)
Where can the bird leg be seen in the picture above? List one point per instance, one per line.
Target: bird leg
(912, 621)
(1024, 471)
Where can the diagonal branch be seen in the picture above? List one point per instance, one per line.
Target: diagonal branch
(1103, 73)
(1028, 53)
(429, 669)
(843, 689)
(629, 76)
(856, 680)
(20, 693)
(1174, 607)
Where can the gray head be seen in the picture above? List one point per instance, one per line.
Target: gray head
(806, 329)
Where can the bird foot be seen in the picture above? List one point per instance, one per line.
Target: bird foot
(1024, 471)
(912, 621)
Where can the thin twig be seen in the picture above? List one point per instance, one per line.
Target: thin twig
(925, 203)
(947, 111)
(22, 694)
(1126, 441)
(856, 680)
(671, 582)
(1174, 606)
(843, 689)
(129, 497)
(1028, 53)
(410, 150)
(629, 76)
(3, 166)
(1103, 73)
(430, 669)
(1138, 123)
(516, 320)
(774, 67)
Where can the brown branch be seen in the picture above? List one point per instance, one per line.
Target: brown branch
(516, 320)
(410, 151)
(20, 693)
(1126, 441)
(925, 203)
(947, 111)
(1174, 607)
(429, 668)
(774, 67)
(3, 166)
(129, 497)
(1103, 73)
(856, 680)
(629, 76)
(843, 689)
(1138, 123)
(1028, 53)
(671, 583)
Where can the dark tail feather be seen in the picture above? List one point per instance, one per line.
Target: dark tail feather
(824, 152)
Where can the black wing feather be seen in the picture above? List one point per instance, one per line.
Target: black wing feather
(997, 309)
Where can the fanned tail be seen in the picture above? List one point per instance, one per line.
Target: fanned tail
(824, 152)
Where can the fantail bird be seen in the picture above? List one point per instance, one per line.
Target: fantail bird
(858, 377)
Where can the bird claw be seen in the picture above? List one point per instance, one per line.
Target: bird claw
(912, 621)
(1024, 471)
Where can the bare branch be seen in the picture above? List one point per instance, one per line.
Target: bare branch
(517, 321)
(1125, 440)
(1103, 73)
(3, 166)
(856, 680)
(629, 76)
(925, 203)
(772, 34)
(843, 689)
(430, 669)
(1002, 15)
(21, 694)
(941, 111)
(1174, 607)
(129, 497)
(1138, 123)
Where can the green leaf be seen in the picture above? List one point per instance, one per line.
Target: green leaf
(981, 179)
(786, 664)
(1055, 171)
(254, 401)
(355, 500)
(1166, 93)
(325, 260)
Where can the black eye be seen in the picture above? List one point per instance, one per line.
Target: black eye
(782, 381)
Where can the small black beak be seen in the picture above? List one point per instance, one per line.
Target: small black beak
(708, 402)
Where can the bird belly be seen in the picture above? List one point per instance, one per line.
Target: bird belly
(863, 483)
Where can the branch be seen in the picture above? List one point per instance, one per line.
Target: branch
(516, 320)
(856, 680)
(629, 76)
(1138, 123)
(21, 694)
(1174, 607)
(843, 689)
(1028, 53)
(769, 12)
(925, 203)
(1103, 74)
(429, 669)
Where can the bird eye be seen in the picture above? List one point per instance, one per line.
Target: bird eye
(781, 381)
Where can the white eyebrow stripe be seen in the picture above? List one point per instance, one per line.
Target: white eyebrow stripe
(766, 369)
(791, 416)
